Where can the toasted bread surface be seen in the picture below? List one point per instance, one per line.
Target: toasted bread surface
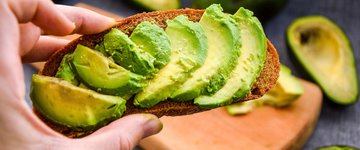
(264, 82)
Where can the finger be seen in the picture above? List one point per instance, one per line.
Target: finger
(124, 133)
(42, 13)
(43, 49)
(86, 21)
(29, 35)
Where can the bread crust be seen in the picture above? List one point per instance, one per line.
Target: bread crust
(266, 80)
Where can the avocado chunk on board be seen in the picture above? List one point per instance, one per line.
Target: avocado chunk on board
(287, 90)
(188, 52)
(71, 106)
(249, 64)
(223, 36)
(325, 52)
(152, 39)
(126, 53)
(103, 75)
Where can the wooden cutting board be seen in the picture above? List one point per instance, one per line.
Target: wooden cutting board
(265, 128)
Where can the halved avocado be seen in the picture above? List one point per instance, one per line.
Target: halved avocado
(72, 106)
(103, 75)
(326, 54)
(249, 64)
(189, 48)
(224, 40)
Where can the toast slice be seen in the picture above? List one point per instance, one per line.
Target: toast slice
(264, 82)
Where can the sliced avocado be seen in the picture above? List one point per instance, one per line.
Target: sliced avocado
(224, 43)
(103, 75)
(71, 106)
(152, 5)
(65, 70)
(152, 39)
(326, 54)
(188, 52)
(126, 53)
(248, 66)
(287, 90)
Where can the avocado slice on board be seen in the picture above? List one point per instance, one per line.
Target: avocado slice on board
(154, 40)
(103, 75)
(223, 36)
(188, 52)
(249, 64)
(72, 106)
(325, 52)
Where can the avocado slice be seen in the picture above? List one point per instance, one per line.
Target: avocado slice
(287, 90)
(152, 5)
(152, 39)
(126, 53)
(248, 65)
(188, 52)
(103, 75)
(65, 70)
(71, 106)
(325, 52)
(223, 36)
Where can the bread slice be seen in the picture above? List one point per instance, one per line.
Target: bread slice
(264, 82)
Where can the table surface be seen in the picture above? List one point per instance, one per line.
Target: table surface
(337, 125)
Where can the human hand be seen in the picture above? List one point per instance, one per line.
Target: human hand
(23, 24)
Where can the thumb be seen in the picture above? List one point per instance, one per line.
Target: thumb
(124, 133)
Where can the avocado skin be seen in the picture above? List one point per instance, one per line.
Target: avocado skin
(249, 64)
(77, 108)
(65, 70)
(125, 53)
(133, 84)
(220, 61)
(337, 147)
(152, 39)
(188, 52)
(309, 31)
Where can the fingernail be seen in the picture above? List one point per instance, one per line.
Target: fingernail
(152, 126)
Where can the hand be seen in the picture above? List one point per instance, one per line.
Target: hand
(23, 26)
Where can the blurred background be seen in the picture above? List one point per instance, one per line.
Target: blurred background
(337, 125)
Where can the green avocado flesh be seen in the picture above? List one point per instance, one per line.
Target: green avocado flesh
(158, 4)
(249, 64)
(65, 70)
(214, 62)
(104, 76)
(326, 54)
(287, 90)
(189, 48)
(152, 39)
(71, 106)
(224, 43)
(126, 53)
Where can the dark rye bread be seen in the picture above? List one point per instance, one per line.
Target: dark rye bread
(264, 82)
